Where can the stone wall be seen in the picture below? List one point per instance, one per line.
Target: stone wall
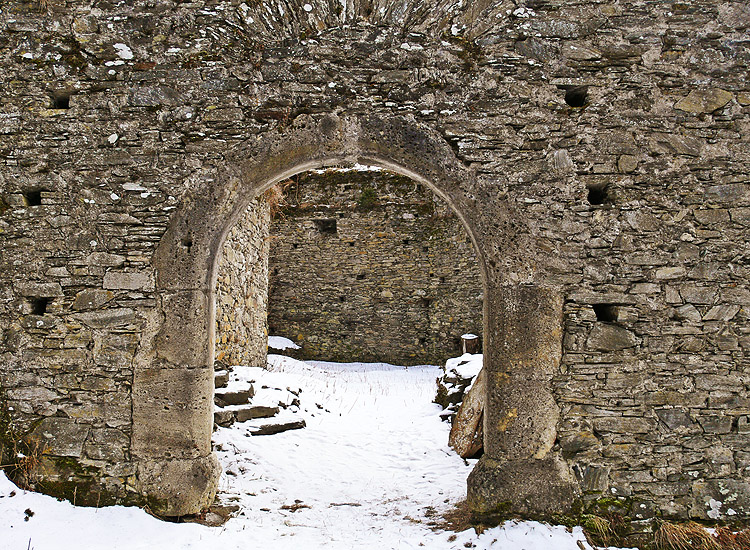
(597, 154)
(371, 266)
(242, 290)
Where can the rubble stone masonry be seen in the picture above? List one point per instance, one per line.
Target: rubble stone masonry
(370, 266)
(596, 153)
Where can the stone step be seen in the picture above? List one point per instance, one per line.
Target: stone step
(227, 417)
(274, 428)
(221, 379)
(234, 397)
(224, 418)
(254, 411)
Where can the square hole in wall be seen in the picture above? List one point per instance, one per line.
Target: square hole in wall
(39, 305)
(32, 197)
(61, 100)
(599, 194)
(606, 313)
(326, 226)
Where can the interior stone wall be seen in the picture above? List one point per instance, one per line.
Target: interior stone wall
(242, 289)
(597, 154)
(371, 266)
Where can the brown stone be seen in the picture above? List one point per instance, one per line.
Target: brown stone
(467, 433)
(704, 101)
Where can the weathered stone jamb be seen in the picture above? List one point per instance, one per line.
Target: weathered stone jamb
(520, 471)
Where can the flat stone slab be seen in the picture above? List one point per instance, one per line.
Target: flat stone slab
(467, 435)
(254, 411)
(270, 429)
(224, 418)
(221, 379)
(236, 397)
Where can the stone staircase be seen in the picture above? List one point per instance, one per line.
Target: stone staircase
(267, 411)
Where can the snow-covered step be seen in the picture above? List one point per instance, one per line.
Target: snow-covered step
(226, 416)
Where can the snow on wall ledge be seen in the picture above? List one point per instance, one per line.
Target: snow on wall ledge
(597, 156)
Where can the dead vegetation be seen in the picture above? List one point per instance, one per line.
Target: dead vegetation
(684, 536)
(459, 518)
(276, 197)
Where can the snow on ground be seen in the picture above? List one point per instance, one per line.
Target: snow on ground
(371, 470)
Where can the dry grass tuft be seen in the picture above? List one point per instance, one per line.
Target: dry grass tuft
(23, 468)
(684, 536)
(457, 519)
(276, 197)
(729, 540)
(726, 539)
(599, 530)
(742, 539)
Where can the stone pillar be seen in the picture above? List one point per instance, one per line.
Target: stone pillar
(519, 471)
(176, 471)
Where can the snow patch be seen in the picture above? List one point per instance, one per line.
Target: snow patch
(371, 470)
(715, 509)
(281, 343)
(466, 366)
(123, 51)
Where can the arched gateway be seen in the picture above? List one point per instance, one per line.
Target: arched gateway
(172, 386)
(596, 154)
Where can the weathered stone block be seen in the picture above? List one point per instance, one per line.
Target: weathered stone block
(172, 412)
(704, 101)
(606, 337)
(178, 487)
(108, 318)
(60, 437)
(257, 411)
(575, 443)
(674, 419)
(623, 425)
(115, 280)
(184, 335)
(533, 487)
(115, 350)
(153, 96)
(40, 290)
(720, 499)
(104, 259)
(92, 299)
(716, 424)
(721, 313)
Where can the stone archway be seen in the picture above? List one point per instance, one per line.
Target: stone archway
(172, 388)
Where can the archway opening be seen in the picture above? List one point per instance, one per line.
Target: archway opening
(359, 265)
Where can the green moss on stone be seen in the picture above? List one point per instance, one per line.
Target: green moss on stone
(368, 199)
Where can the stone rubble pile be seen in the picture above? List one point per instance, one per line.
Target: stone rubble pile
(461, 391)
(265, 410)
(458, 374)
